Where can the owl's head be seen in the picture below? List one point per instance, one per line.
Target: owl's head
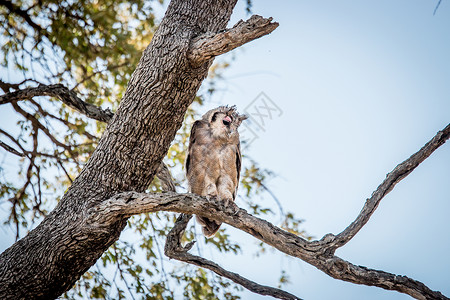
(224, 121)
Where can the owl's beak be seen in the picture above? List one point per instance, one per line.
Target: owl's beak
(227, 120)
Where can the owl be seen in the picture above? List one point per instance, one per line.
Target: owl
(213, 163)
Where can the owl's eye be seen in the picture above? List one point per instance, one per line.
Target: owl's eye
(226, 121)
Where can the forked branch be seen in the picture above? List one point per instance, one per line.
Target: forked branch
(175, 250)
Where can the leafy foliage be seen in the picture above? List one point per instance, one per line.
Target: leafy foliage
(92, 47)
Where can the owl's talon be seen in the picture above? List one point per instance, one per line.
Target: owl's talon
(235, 209)
(230, 207)
(211, 198)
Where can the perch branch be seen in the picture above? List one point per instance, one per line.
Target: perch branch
(208, 45)
(316, 253)
(174, 249)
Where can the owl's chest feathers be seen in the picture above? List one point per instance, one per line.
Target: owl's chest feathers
(213, 162)
(217, 156)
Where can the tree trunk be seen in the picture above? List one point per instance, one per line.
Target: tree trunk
(52, 257)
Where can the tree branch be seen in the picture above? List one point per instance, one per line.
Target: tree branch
(344, 270)
(208, 45)
(437, 6)
(317, 253)
(70, 125)
(70, 99)
(32, 153)
(62, 93)
(175, 250)
(6, 87)
(10, 149)
(394, 177)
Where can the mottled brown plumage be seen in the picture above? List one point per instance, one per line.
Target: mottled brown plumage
(213, 163)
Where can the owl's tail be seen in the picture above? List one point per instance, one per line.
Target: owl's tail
(209, 227)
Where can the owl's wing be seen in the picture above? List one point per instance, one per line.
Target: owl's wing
(197, 124)
(238, 168)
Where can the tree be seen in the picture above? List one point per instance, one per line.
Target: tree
(94, 210)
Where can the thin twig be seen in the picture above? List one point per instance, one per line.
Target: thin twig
(10, 149)
(437, 6)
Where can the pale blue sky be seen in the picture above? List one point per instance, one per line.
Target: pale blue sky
(362, 85)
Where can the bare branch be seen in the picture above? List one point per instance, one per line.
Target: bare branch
(437, 6)
(317, 253)
(174, 249)
(10, 149)
(65, 122)
(15, 141)
(14, 216)
(65, 95)
(6, 87)
(70, 99)
(32, 153)
(344, 270)
(209, 45)
(64, 170)
(394, 177)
